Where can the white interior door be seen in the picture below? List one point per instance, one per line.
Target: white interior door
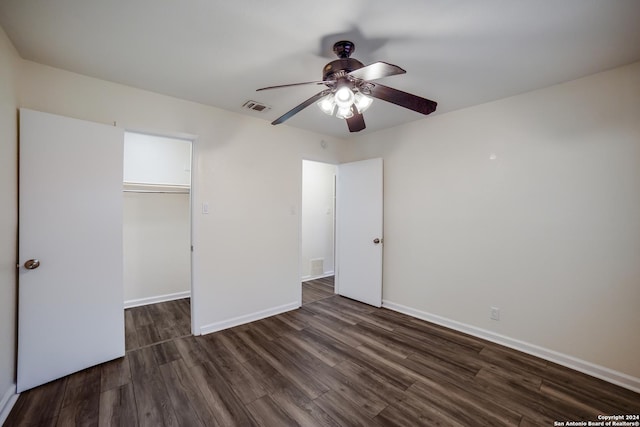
(70, 308)
(359, 212)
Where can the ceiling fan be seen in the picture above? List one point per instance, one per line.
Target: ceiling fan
(350, 90)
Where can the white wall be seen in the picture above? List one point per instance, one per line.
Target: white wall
(156, 239)
(153, 159)
(317, 220)
(248, 171)
(9, 63)
(549, 231)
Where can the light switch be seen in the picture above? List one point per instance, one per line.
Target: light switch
(205, 208)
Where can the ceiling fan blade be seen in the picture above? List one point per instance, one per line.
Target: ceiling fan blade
(321, 82)
(403, 99)
(297, 109)
(377, 70)
(355, 122)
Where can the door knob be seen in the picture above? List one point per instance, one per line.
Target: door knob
(32, 264)
(376, 240)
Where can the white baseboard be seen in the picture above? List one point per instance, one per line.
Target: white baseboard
(154, 300)
(6, 403)
(307, 278)
(606, 374)
(241, 320)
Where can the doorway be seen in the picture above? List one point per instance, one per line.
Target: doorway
(156, 221)
(317, 246)
(357, 218)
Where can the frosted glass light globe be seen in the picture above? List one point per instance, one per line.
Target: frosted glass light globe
(363, 102)
(344, 97)
(327, 104)
(344, 113)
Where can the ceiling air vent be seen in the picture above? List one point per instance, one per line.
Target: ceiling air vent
(256, 106)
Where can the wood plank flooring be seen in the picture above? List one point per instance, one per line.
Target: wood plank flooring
(156, 323)
(315, 290)
(333, 362)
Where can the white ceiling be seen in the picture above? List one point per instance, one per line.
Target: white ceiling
(457, 52)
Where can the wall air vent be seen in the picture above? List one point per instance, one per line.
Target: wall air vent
(316, 266)
(256, 106)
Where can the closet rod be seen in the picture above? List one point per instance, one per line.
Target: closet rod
(155, 191)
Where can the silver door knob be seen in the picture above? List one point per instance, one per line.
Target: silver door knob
(376, 240)
(32, 264)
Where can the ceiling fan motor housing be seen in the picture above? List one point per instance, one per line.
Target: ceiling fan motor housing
(337, 69)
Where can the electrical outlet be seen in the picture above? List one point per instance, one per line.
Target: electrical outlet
(495, 313)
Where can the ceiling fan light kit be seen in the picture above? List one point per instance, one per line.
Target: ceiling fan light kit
(344, 98)
(350, 90)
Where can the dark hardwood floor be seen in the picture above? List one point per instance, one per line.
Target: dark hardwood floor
(333, 362)
(315, 290)
(157, 323)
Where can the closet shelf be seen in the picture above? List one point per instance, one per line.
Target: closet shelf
(136, 187)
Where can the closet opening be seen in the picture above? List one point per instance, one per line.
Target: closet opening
(157, 237)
